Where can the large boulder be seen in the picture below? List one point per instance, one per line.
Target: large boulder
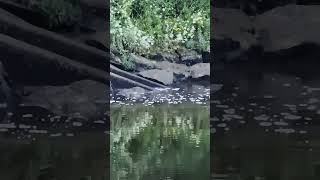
(163, 76)
(289, 26)
(180, 70)
(200, 70)
(86, 98)
(232, 34)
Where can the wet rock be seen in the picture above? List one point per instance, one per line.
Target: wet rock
(200, 70)
(189, 57)
(87, 98)
(163, 76)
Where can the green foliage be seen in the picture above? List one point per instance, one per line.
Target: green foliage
(60, 12)
(128, 62)
(146, 26)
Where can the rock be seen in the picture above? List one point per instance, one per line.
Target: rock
(177, 69)
(163, 76)
(189, 57)
(135, 92)
(288, 26)
(231, 40)
(200, 70)
(164, 56)
(226, 28)
(87, 98)
(142, 63)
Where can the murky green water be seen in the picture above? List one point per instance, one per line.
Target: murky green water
(158, 142)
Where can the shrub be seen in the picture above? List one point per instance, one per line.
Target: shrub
(145, 26)
(128, 62)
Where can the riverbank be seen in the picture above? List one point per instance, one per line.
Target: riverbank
(277, 34)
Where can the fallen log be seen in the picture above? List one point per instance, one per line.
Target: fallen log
(115, 79)
(135, 78)
(25, 61)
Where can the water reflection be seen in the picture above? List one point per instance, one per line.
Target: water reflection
(160, 142)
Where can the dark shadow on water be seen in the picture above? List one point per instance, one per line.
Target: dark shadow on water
(264, 121)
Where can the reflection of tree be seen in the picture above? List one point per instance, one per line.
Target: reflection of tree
(159, 140)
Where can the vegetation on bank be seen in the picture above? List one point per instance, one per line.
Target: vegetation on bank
(60, 12)
(147, 26)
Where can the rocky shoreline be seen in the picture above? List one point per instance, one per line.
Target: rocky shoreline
(50, 75)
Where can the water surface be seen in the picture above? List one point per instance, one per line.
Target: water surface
(265, 122)
(162, 137)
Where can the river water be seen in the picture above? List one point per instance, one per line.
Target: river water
(265, 122)
(163, 136)
(38, 145)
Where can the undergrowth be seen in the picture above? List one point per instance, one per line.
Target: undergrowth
(147, 26)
